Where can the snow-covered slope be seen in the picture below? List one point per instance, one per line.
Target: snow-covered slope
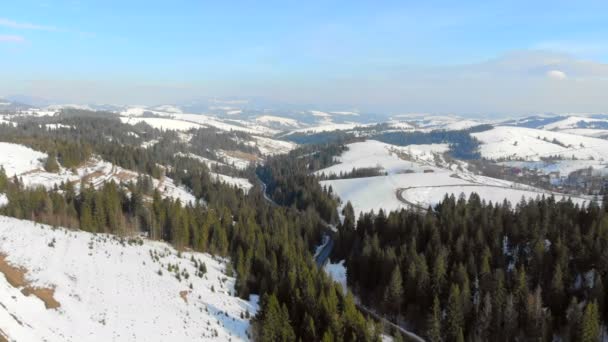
(575, 122)
(533, 144)
(375, 154)
(27, 164)
(424, 189)
(241, 183)
(277, 122)
(163, 123)
(17, 159)
(417, 176)
(102, 288)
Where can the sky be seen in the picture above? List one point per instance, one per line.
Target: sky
(457, 57)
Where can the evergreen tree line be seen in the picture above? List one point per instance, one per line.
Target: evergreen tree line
(361, 172)
(470, 270)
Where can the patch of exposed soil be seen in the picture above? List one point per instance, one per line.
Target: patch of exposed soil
(16, 277)
(184, 295)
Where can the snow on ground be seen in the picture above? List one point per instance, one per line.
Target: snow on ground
(206, 120)
(572, 122)
(17, 159)
(428, 122)
(162, 123)
(112, 291)
(337, 272)
(241, 183)
(55, 126)
(426, 196)
(3, 200)
(231, 159)
(369, 154)
(424, 189)
(426, 152)
(210, 163)
(532, 144)
(329, 127)
(268, 146)
(97, 172)
(402, 125)
(319, 113)
(6, 122)
(588, 132)
(270, 119)
(27, 164)
(564, 167)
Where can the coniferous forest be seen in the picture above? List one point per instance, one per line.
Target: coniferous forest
(469, 270)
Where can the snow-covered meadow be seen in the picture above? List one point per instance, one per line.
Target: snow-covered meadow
(115, 289)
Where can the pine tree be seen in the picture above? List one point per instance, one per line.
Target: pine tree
(485, 318)
(393, 294)
(51, 164)
(574, 315)
(455, 317)
(557, 292)
(86, 218)
(510, 318)
(590, 324)
(433, 332)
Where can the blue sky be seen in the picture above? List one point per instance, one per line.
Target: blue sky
(398, 56)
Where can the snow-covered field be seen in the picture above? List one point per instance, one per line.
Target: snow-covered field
(269, 146)
(426, 189)
(17, 159)
(277, 121)
(573, 122)
(328, 127)
(372, 153)
(162, 123)
(564, 167)
(113, 290)
(426, 182)
(504, 142)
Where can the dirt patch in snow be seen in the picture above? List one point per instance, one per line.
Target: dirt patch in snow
(242, 155)
(184, 295)
(16, 277)
(3, 336)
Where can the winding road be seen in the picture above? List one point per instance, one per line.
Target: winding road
(401, 198)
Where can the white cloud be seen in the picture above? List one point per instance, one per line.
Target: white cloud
(11, 38)
(25, 26)
(556, 75)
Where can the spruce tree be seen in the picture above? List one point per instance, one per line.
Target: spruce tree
(433, 332)
(393, 294)
(590, 324)
(455, 317)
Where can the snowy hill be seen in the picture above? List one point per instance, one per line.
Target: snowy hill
(417, 177)
(532, 144)
(99, 287)
(375, 154)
